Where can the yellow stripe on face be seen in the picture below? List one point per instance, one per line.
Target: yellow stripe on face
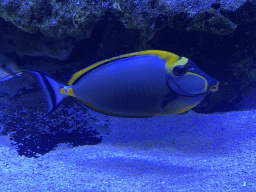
(205, 81)
(169, 57)
(172, 63)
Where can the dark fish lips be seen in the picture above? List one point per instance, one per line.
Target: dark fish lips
(214, 87)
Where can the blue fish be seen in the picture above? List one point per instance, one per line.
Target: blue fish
(140, 84)
(8, 68)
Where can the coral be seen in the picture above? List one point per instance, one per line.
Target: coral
(75, 18)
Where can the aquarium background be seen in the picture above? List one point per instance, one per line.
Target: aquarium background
(210, 148)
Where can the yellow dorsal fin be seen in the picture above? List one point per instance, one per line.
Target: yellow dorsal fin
(168, 56)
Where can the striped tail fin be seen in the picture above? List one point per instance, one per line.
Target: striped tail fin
(51, 88)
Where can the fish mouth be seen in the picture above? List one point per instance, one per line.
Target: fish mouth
(215, 87)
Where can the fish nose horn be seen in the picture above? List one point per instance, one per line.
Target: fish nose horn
(215, 87)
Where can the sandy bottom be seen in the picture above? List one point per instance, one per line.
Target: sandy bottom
(191, 152)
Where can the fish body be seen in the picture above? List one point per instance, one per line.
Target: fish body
(8, 68)
(141, 84)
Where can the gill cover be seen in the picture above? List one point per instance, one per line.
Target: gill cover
(185, 78)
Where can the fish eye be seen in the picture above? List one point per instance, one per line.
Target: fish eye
(179, 70)
(4, 66)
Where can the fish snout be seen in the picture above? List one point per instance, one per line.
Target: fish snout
(215, 87)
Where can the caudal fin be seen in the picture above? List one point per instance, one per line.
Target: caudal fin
(51, 88)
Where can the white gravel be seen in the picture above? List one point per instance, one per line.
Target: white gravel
(191, 152)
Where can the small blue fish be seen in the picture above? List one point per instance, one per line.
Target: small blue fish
(8, 68)
(141, 84)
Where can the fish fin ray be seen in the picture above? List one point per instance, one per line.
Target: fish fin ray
(10, 76)
(51, 88)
